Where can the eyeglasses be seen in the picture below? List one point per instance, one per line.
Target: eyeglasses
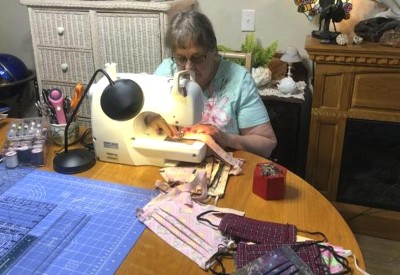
(196, 60)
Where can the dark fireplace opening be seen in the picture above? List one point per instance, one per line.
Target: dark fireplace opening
(370, 167)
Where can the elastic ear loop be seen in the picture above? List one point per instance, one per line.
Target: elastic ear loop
(342, 260)
(325, 239)
(310, 243)
(223, 251)
(201, 218)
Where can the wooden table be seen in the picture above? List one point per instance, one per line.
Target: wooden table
(303, 206)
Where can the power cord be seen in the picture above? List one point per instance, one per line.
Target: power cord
(87, 140)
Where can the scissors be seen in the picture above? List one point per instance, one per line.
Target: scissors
(78, 92)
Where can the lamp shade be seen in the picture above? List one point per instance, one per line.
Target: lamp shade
(316, 7)
(79, 160)
(291, 55)
(122, 100)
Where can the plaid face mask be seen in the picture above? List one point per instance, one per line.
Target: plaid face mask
(250, 230)
(255, 238)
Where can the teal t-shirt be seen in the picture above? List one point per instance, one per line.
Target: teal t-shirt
(234, 102)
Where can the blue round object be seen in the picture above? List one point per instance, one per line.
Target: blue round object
(12, 68)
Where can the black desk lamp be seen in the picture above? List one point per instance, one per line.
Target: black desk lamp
(121, 100)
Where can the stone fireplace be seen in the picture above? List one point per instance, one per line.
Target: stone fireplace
(356, 105)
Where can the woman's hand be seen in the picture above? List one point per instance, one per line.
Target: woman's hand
(208, 129)
(157, 122)
(259, 140)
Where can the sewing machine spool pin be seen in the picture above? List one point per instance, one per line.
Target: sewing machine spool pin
(180, 81)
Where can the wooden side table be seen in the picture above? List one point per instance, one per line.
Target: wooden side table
(290, 119)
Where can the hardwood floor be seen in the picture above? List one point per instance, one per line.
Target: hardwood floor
(382, 257)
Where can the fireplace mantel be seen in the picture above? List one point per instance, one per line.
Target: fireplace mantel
(354, 81)
(368, 53)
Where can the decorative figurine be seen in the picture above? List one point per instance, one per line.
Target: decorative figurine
(342, 39)
(287, 85)
(357, 40)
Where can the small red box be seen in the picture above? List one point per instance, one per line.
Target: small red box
(269, 181)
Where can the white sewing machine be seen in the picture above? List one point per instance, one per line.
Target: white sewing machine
(135, 143)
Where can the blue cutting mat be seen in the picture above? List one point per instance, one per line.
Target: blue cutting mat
(9, 177)
(103, 215)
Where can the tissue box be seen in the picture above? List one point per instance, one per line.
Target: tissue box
(269, 181)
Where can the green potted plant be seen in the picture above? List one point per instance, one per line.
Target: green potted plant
(261, 57)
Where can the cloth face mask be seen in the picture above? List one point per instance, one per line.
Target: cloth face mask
(173, 218)
(309, 253)
(254, 238)
(250, 230)
(282, 260)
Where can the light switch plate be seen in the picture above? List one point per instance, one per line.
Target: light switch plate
(248, 20)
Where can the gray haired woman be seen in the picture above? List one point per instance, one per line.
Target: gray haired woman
(234, 114)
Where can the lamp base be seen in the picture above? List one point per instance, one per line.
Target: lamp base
(74, 161)
(326, 37)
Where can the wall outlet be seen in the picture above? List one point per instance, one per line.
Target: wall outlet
(248, 20)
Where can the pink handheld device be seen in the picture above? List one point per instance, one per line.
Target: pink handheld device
(56, 99)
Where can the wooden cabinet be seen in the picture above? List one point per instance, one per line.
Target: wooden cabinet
(357, 81)
(71, 39)
(350, 82)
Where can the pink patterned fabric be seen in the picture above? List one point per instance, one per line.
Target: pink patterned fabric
(172, 216)
(194, 188)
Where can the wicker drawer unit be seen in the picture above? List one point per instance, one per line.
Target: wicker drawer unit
(71, 39)
(61, 29)
(63, 65)
(138, 53)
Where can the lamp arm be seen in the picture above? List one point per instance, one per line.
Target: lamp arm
(80, 102)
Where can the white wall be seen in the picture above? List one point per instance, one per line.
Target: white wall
(15, 39)
(275, 20)
(15, 35)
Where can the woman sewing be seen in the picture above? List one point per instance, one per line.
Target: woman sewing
(234, 114)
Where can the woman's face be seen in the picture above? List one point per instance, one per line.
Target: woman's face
(201, 61)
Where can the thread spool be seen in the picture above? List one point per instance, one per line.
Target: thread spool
(111, 69)
(37, 158)
(24, 154)
(11, 159)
